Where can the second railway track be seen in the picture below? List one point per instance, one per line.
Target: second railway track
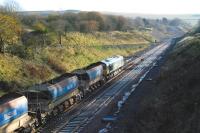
(87, 113)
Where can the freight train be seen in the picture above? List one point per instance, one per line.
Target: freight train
(31, 108)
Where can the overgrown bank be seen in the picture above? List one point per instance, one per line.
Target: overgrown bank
(32, 65)
(173, 105)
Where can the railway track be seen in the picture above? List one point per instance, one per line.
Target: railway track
(75, 118)
(81, 118)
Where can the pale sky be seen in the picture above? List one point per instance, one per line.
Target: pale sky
(127, 6)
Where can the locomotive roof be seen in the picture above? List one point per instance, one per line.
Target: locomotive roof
(60, 78)
(79, 71)
(112, 59)
(93, 65)
(83, 70)
(8, 97)
(43, 86)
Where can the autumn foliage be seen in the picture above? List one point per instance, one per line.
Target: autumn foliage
(9, 31)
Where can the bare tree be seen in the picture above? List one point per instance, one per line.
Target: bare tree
(10, 8)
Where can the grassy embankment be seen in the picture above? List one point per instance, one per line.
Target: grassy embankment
(174, 104)
(77, 50)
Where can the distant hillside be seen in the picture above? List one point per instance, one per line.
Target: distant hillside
(190, 18)
(46, 13)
